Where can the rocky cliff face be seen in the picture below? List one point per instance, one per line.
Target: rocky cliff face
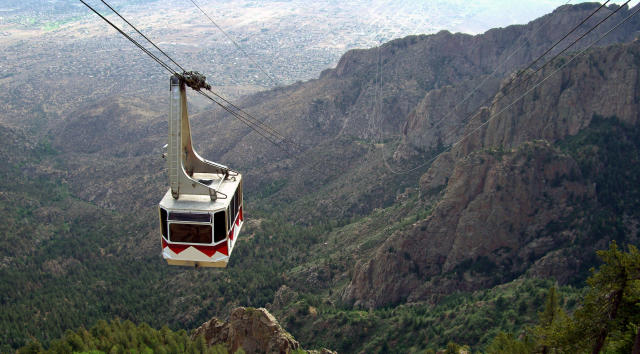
(408, 83)
(492, 223)
(605, 82)
(434, 120)
(252, 330)
(505, 189)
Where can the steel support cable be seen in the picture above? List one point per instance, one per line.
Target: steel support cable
(566, 35)
(527, 76)
(143, 36)
(455, 108)
(163, 64)
(242, 119)
(488, 99)
(492, 117)
(250, 118)
(255, 126)
(277, 140)
(235, 43)
(545, 79)
(250, 58)
(582, 36)
(520, 73)
(249, 124)
(258, 123)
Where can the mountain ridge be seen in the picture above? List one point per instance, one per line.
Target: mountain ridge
(618, 87)
(519, 203)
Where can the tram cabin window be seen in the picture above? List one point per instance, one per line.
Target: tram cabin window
(163, 222)
(234, 208)
(219, 226)
(190, 233)
(195, 217)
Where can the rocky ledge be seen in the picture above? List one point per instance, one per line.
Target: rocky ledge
(252, 330)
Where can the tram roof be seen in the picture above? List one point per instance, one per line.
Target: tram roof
(203, 202)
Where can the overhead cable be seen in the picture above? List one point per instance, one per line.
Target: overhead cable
(257, 122)
(153, 56)
(520, 73)
(236, 44)
(494, 116)
(263, 129)
(273, 140)
(566, 35)
(466, 98)
(583, 35)
(143, 36)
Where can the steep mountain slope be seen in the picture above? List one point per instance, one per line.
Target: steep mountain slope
(511, 203)
(372, 96)
(334, 227)
(371, 92)
(429, 123)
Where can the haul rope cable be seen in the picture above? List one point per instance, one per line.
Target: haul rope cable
(377, 120)
(260, 128)
(277, 144)
(530, 75)
(567, 35)
(582, 36)
(248, 56)
(290, 141)
(513, 79)
(163, 64)
(235, 114)
(529, 90)
(281, 137)
(520, 82)
(236, 44)
(166, 66)
(258, 122)
(254, 125)
(520, 73)
(547, 77)
(247, 121)
(455, 108)
(242, 50)
(140, 33)
(519, 98)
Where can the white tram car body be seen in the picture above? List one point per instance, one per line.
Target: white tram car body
(201, 213)
(199, 232)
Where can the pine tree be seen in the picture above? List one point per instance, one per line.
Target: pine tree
(505, 343)
(613, 300)
(609, 317)
(552, 322)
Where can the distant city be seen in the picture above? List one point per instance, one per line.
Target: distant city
(292, 40)
(45, 43)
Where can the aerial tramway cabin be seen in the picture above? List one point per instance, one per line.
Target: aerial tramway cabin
(201, 213)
